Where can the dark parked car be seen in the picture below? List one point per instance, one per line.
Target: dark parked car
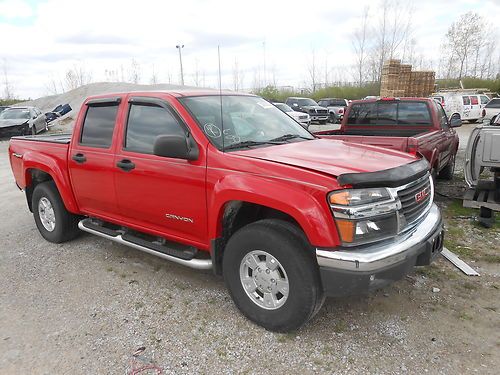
(307, 105)
(59, 111)
(22, 121)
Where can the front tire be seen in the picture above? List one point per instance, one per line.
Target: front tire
(272, 276)
(54, 222)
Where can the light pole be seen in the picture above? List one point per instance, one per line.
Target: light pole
(180, 47)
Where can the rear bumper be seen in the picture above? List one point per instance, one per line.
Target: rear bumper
(357, 271)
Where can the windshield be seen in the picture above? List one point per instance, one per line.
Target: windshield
(246, 120)
(306, 101)
(17, 114)
(283, 107)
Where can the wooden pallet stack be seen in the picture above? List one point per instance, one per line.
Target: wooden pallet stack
(398, 80)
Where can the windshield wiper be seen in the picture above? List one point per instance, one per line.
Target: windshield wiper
(250, 144)
(286, 137)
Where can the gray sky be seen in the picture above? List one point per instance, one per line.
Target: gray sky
(41, 40)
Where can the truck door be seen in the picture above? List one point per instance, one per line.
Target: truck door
(163, 194)
(447, 137)
(91, 158)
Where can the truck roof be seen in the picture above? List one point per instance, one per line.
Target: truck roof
(175, 93)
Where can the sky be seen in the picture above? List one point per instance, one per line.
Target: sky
(42, 40)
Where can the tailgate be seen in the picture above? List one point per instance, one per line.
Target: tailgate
(393, 143)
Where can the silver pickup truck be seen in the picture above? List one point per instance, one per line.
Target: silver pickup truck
(483, 152)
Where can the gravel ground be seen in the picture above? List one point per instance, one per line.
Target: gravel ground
(86, 306)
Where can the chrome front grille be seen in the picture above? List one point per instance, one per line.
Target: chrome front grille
(415, 199)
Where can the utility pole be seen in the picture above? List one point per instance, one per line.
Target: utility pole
(180, 47)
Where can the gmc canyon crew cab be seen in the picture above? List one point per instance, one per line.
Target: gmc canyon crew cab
(230, 183)
(417, 126)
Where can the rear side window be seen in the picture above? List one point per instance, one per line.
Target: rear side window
(99, 125)
(493, 103)
(390, 113)
(474, 100)
(145, 123)
(363, 114)
(466, 100)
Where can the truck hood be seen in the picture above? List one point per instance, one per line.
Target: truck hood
(331, 156)
(11, 122)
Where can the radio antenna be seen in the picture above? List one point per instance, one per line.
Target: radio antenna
(220, 96)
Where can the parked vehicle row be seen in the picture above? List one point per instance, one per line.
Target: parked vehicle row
(22, 121)
(230, 183)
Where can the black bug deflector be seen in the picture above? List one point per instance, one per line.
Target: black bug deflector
(393, 177)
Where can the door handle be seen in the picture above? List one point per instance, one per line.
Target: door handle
(126, 165)
(79, 158)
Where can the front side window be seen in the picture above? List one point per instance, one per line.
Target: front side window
(246, 121)
(99, 125)
(145, 123)
(443, 119)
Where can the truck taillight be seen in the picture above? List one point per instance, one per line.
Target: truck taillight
(341, 110)
(484, 112)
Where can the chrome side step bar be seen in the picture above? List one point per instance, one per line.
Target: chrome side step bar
(199, 264)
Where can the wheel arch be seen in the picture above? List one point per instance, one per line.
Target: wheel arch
(35, 175)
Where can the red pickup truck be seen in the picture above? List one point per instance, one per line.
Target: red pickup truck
(229, 182)
(414, 125)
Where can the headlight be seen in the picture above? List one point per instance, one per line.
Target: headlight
(364, 215)
(356, 197)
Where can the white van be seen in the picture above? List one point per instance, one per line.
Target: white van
(470, 106)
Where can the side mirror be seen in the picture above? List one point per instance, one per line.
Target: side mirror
(455, 120)
(176, 146)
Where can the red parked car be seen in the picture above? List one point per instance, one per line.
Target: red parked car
(414, 125)
(231, 183)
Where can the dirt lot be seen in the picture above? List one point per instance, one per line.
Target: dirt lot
(86, 306)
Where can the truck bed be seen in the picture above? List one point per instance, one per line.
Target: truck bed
(52, 138)
(395, 140)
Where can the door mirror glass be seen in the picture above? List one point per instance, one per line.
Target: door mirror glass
(455, 120)
(175, 146)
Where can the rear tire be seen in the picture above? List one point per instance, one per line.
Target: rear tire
(448, 172)
(273, 259)
(54, 222)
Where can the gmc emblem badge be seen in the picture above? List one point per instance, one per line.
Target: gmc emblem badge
(421, 195)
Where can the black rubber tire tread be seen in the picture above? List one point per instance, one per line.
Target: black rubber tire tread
(66, 227)
(448, 171)
(289, 245)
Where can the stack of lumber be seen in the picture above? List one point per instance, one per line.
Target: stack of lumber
(398, 80)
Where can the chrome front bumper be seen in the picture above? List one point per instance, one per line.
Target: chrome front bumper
(383, 255)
